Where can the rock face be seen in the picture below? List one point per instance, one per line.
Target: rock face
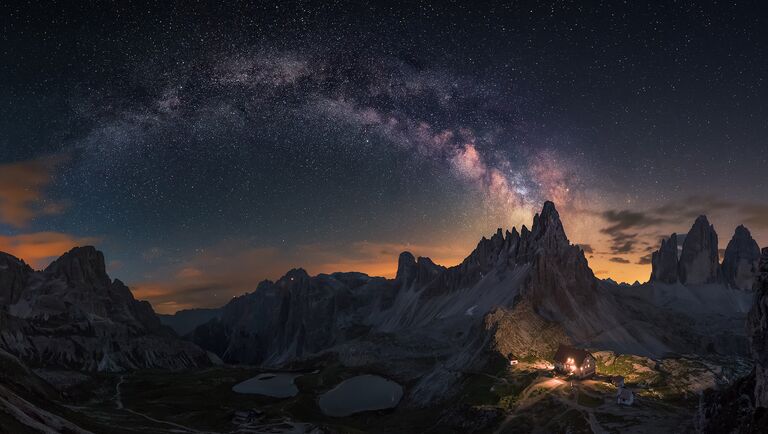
(72, 315)
(287, 319)
(740, 263)
(562, 285)
(28, 404)
(743, 407)
(699, 261)
(757, 328)
(520, 332)
(664, 261)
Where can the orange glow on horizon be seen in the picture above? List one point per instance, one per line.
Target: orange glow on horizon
(40, 248)
(214, 277)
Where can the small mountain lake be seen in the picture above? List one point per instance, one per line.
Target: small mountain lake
(276, 385)
(361, 393)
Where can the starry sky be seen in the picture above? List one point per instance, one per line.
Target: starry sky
(204, 146)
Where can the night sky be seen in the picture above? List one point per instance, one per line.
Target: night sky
(204, 147)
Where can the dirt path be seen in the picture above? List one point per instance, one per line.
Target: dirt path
(119, 404)
(117, 397)
(525, 400)
(548, 387)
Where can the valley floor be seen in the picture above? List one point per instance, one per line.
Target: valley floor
(503, 399)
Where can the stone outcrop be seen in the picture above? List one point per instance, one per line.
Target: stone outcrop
(699, 261)
(740, 262)
(522, 333)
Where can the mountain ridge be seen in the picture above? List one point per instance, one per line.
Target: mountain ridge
(73, 315)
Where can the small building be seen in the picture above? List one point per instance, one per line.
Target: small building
(574, 361)
(625, 396)
(512, 359)
(618, 381)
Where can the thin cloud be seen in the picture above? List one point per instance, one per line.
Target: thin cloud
(40, 248)
(752, 214)
(623, 227)
(644, 260)
(625, 219)
(22, 186)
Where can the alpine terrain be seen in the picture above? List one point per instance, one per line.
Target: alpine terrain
(468, 347)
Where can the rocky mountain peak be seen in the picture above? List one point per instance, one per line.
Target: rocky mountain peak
(295, 277)
(499, 234)
(71, 315)
(547, 225)
(81, 265)
(264, 284)
(406, 268)
(424, 261)
(8, 260)
(699, 261)
(419, 270)
(561, 281)
(664, 261)
(740, 262)
(513, 237)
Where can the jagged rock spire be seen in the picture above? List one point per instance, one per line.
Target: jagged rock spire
(699, 262)
(75, 317)
(548, 225)
(410, 269)
(664, 261)
(741, 259)
(561, 279)
(406, 268)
